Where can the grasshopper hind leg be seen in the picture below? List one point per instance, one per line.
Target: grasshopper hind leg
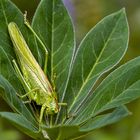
(66, 109)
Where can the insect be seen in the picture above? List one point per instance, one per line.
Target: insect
(32, 77)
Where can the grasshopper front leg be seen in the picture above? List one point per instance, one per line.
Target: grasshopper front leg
(65, 105)
(42, 112)
(40, 41)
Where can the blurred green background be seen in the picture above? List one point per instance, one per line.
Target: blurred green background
(85, 14)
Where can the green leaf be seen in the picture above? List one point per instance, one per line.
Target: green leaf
(64, 132)
(23, 124)
(101, 49)
(103, 120)
(53, 25)
(9, 95)
(10, 13)
(8, 72)
(70, 132)
(120, 87)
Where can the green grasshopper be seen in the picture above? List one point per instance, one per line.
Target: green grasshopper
(32, 77)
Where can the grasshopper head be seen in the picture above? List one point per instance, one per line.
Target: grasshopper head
(52, 107)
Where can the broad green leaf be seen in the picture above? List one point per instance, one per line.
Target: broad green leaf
(64, 132)
(103, 120)
(53, 25)
(23, 124)
(8, 13)
(9, 95)
(7, 70)
(101, 49)
(70, 132)
(120, 87)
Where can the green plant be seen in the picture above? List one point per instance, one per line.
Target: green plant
(90, 105)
